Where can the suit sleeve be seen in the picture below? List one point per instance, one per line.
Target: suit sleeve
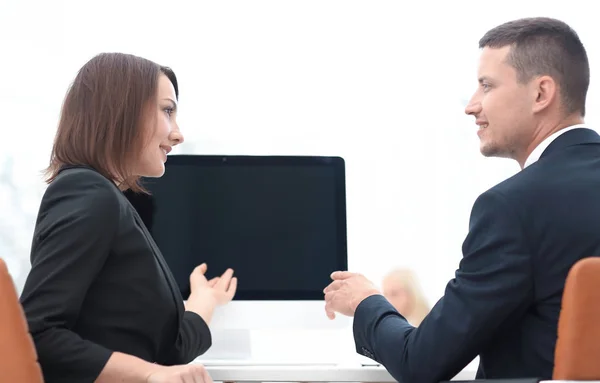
(193, 340)
(76, 224)
(492, 285)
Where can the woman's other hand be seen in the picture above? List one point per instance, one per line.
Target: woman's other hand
(188, 373)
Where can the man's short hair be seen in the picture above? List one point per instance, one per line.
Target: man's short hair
(545, 46)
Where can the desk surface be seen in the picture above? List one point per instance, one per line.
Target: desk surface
(307, 373)
(312, 373)
(299, 373)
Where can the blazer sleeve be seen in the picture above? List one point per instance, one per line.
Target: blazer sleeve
(492, 284)
(77, 221)
(193, 340)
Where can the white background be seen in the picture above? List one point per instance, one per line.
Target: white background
(381, 83)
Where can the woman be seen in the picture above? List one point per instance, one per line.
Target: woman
(100, 301)
(402, 289)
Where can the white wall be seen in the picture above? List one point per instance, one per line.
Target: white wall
(381, 83)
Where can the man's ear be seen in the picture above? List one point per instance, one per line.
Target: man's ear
(545, 92)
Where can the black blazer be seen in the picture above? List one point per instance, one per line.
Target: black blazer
(99, 284)
(504, 302)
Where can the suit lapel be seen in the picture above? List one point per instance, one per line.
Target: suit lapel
(163, 264)
(155, 250)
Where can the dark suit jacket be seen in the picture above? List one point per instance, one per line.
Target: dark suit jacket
(504, 302)
(99, 284)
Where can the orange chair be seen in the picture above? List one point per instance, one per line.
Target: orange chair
(18, 358)
(577, 353)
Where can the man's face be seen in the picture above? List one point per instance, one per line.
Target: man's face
(502, 107)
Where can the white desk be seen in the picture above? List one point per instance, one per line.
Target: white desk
(299, 373)
(318, 373)
(307, 373)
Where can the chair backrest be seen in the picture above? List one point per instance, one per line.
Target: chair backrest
(18, 358)
(577, 353)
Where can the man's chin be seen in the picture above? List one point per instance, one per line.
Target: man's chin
(494, 152)
(488, 150)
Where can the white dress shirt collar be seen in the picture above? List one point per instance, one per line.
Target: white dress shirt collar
(537, 152)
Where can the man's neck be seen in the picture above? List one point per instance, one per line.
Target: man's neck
(543, 131)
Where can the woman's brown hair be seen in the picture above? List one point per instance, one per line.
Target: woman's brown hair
(104, 114)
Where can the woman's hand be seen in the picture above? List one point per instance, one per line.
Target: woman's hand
(220, 289)
(188, 373)
(206, 295)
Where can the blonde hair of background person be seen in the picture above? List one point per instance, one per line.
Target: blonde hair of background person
(402, 289)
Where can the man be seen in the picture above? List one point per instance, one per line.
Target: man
(524, 233)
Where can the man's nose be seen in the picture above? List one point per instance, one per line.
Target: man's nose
(473, 107)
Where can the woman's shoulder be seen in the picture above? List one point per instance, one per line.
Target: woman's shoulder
(82, 176)
(85, 185)
(80, 172)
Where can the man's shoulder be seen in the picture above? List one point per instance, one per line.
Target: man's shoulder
(509, 196)
(525, 183)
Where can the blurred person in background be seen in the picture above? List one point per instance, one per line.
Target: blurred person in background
(402, 289)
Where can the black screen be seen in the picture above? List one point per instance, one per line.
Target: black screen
(279, 222)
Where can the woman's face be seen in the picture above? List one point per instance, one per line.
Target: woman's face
(396, 293)
(163, 129)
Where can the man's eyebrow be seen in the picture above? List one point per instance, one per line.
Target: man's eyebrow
(483, 79)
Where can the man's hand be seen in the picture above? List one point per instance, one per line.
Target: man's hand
(346, 292)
